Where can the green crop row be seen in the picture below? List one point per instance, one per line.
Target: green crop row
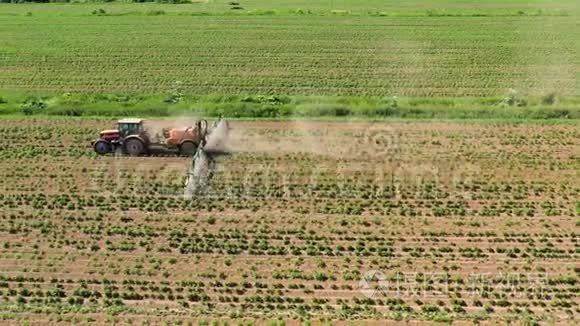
(287, 55)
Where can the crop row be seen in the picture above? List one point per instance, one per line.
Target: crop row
(244, 55)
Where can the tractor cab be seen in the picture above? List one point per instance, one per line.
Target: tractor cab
(128, 127)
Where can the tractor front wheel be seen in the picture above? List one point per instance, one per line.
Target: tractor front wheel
(187, 148)
(134, 147)
(102, 147)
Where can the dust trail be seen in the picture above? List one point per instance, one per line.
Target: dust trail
(217, 139)
(344, 140)
(280, 137)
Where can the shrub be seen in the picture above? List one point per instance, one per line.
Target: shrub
(549, 99)
(333, 110)
(155, 13)
(99, 12)
(273, 99)
(430, 308)
(33, 106)
(66, 111)
(513, 98)
(176, 92)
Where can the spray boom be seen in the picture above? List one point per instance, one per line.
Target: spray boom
(203, 165)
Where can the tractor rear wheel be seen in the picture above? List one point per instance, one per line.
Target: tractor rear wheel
(102, 147)
(187, 148)
(134, 147)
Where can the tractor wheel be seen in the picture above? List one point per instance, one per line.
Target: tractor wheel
(134, 147)
(102, 147)
(187, 148)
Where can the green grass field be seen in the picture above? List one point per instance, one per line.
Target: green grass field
(294, 48)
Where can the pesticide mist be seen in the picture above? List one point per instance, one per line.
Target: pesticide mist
(204, 160)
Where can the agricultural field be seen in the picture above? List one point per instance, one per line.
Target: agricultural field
(293, 47)
(392, 161)
(318, 221)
